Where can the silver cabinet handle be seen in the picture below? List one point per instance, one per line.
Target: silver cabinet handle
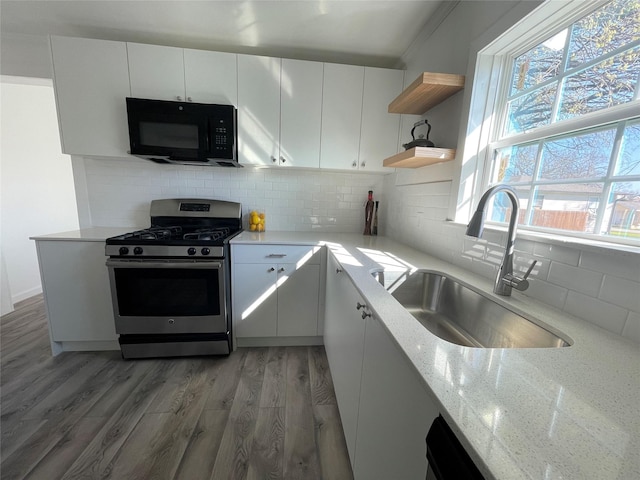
(281, 269)
(354, 164)
(277, 255)
(271, 270)
(338, 270)
(179, 98)
(360, 305)
(283, 160)
(363, 164)
(189, 99)
(274, 159)
(365, 314)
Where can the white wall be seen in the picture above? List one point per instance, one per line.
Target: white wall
(37, 195)
(596, 285)
(118, 193)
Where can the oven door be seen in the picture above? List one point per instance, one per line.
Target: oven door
(168, 296)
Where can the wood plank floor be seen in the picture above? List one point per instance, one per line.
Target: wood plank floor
(261, 413)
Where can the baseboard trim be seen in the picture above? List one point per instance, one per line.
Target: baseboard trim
(26, 294)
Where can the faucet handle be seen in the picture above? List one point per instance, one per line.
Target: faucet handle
(519, 283)
(533, 264)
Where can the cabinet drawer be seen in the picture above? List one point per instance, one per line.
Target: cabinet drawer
(275, 254)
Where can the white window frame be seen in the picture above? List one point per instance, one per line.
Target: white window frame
(487, 110)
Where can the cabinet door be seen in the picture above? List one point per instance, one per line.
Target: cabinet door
(76, 287)
(394, 414)
(91, 83)
(298, 300)
(156, 72)
(258, 109)
(344, 331)
(380, 130)
(341, 116)
(301, 113)
(255, 304)
(211, 77)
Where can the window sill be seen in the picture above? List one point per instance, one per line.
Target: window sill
(562, 240)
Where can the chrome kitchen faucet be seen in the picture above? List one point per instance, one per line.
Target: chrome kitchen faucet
(505, 280)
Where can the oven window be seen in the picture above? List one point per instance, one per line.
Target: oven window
(170, 135)
(168, 292)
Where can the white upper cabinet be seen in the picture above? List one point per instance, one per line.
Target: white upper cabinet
(169, 73)
(156, 72)
(300, 113)
(341, 116)
(258, 110)
(279, 111)
(380, 130)
(211, 77)
(91, 82)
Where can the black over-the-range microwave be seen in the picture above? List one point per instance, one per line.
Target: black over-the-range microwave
(183, 132)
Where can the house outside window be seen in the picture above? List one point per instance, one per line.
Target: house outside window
(566, 128)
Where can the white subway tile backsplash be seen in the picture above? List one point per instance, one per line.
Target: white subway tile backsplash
(606, 315)
(625, 293)
(631, 328)
(567, 255)
(120, 191)
(525, 246)
(580, 280)
(483, 268)
(546, 292)
(619, 264)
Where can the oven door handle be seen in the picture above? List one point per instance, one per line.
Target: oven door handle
(160, 264)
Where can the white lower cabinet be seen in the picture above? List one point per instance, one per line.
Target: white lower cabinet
(394, 414)
(344, 331)
(77, 295)
(276, 291)
(385, 408)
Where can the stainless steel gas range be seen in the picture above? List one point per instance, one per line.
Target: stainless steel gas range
(170, 283)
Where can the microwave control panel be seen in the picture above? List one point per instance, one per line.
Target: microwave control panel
(223, 141)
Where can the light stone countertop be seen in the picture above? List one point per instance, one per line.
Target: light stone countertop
(524, 413)
(91, 234)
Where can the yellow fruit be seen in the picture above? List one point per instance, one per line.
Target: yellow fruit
(260, 227)
(253, 212)
(261, 216)
(261, 222)
(252, 227)
(255, 219)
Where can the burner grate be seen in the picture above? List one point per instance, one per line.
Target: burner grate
(208, 234)
(154, 233)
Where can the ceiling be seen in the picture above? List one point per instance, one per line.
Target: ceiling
(362, 31)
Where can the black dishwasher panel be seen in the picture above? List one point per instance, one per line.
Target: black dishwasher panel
(447, 457)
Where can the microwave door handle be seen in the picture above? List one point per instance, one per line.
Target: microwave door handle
(209, 136)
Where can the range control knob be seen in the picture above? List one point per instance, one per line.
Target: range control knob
(137, 251)
(124, 250)
(205, 251)
(191, 251)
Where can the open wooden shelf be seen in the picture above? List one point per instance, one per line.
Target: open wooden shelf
(419, 157)
(426, 92)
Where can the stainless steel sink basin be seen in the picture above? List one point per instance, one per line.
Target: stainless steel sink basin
(458, 314)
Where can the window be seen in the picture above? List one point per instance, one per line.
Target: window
(566, 133)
